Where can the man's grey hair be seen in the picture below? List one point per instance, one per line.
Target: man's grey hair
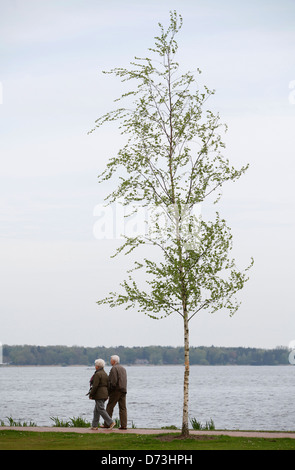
(99, 363)
(115, 358)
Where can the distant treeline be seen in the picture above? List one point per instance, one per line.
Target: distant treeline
(156, 355)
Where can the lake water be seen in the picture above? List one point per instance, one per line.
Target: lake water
(235, 397)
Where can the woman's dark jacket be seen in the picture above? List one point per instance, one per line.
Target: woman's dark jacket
(99, 390)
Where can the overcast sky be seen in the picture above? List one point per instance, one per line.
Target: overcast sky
(52, 266)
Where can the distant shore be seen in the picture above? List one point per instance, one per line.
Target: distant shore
(73, 356)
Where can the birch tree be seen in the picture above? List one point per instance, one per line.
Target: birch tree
(173, 161)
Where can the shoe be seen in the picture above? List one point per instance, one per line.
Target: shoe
(122, 429)
(112, 425)
(103, 426)
(94, 429)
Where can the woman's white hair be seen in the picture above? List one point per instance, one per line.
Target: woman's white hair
(116, 359)
(99, 363)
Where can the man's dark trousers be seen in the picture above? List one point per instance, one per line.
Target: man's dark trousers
(118, 397)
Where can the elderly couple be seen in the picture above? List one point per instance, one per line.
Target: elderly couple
(113, 387)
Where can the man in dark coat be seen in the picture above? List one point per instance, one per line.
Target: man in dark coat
(99, 393)
(117, 385)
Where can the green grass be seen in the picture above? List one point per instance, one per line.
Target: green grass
(27, 440)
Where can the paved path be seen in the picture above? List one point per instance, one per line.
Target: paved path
(263, 434)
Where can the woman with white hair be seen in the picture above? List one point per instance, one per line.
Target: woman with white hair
(99, 393)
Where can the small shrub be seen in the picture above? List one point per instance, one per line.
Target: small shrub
(117, 421)
(198, 426)
(79, 423)
(12, 422)
(210, 426)
(59, 423)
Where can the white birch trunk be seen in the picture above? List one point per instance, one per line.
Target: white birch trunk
(185, 429)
